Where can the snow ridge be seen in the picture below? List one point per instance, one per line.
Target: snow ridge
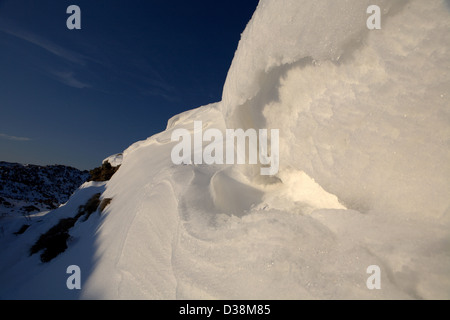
(363, 180)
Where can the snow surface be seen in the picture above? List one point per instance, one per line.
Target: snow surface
(364, 174)
(25, 277)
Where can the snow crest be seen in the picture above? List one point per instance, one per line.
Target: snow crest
(364, 177)
(365, 113)
(364, 172)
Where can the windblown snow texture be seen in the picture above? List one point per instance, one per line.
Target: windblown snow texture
(364, 176)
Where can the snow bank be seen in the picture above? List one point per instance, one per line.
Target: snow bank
(364, 113)
(364, 176)
(25, 277)
(282, 34)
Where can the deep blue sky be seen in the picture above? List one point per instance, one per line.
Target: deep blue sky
(75, 97)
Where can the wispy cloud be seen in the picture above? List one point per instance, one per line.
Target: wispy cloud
(13, 138)
(160, 93)
(69, 79)
(12, 29)
(149, 81)
(69, 60)
(74, 69)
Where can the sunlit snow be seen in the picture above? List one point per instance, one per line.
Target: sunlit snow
(364, 179)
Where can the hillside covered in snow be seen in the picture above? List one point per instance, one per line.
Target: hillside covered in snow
(363, 174)
(27, 189)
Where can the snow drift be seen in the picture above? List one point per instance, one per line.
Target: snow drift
(366, 113)
(364, 172)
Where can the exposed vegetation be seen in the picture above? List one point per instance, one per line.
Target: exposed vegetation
(103, 173)
(54, 241)
(104, 204)
(22, 229)
(89, 208)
